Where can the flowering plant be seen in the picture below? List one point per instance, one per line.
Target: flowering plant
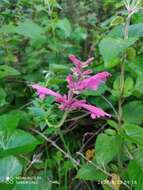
(78, 81)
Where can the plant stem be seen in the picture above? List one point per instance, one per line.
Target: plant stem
(57, 147)
(122, 73)
(122, 82)
(61, 122)
(63, 140)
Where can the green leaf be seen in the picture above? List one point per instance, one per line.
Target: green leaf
(138, 156)
(135, 31)
(110, 132)
(133, 112)
(58, 68)
(9, 121)
(112, 124)
(89, 172)
(111, 49)
(106, 148)
(2, 97)
(43, 181)
(29, 29)
(116, 84)
(134, 133)
(139, 85)
(136, 65)
(29, 186)
(131, 53)
(128, 84)
(117, 20)
(116, 88)
(9, 167)
(79, 34)
(107, 187)
(65, 26)
(138, 17)
(128, 87)
(17, 143)
(135, 174)
(6, 71)
(7, 29)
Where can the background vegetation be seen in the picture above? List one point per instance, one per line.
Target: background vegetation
(36, 38)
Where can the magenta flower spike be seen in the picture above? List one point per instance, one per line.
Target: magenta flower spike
(77, 82)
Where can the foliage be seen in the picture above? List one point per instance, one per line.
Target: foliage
(40, 147)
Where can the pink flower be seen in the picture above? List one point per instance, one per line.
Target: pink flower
(94, 111)
(70, 104)
(75, 61)
(78, 81)
(64, 102)
(90, 83)
(79, 65)
(95, 81)
(43, 91)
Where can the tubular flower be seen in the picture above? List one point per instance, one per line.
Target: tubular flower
(70, 104)
(91, 83)
(78, 81)
(93, 110)
(79, 65)
(42, 91)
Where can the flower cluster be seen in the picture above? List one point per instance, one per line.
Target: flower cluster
(78, 81)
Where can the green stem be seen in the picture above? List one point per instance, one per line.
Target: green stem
(63, 140)
(122, 82)
(61, 122)
(122, 74)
